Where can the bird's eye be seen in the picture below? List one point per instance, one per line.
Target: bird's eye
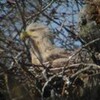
(32, 30)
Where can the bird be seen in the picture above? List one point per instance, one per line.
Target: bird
(92, 14)
(42, 48)
(89, 24)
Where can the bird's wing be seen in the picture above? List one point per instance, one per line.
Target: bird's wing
(57, 53)
(60, 62)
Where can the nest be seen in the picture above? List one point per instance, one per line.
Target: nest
(79, 79)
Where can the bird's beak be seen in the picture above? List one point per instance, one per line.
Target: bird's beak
(23, 35)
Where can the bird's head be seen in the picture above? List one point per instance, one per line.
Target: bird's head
(35, 31)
